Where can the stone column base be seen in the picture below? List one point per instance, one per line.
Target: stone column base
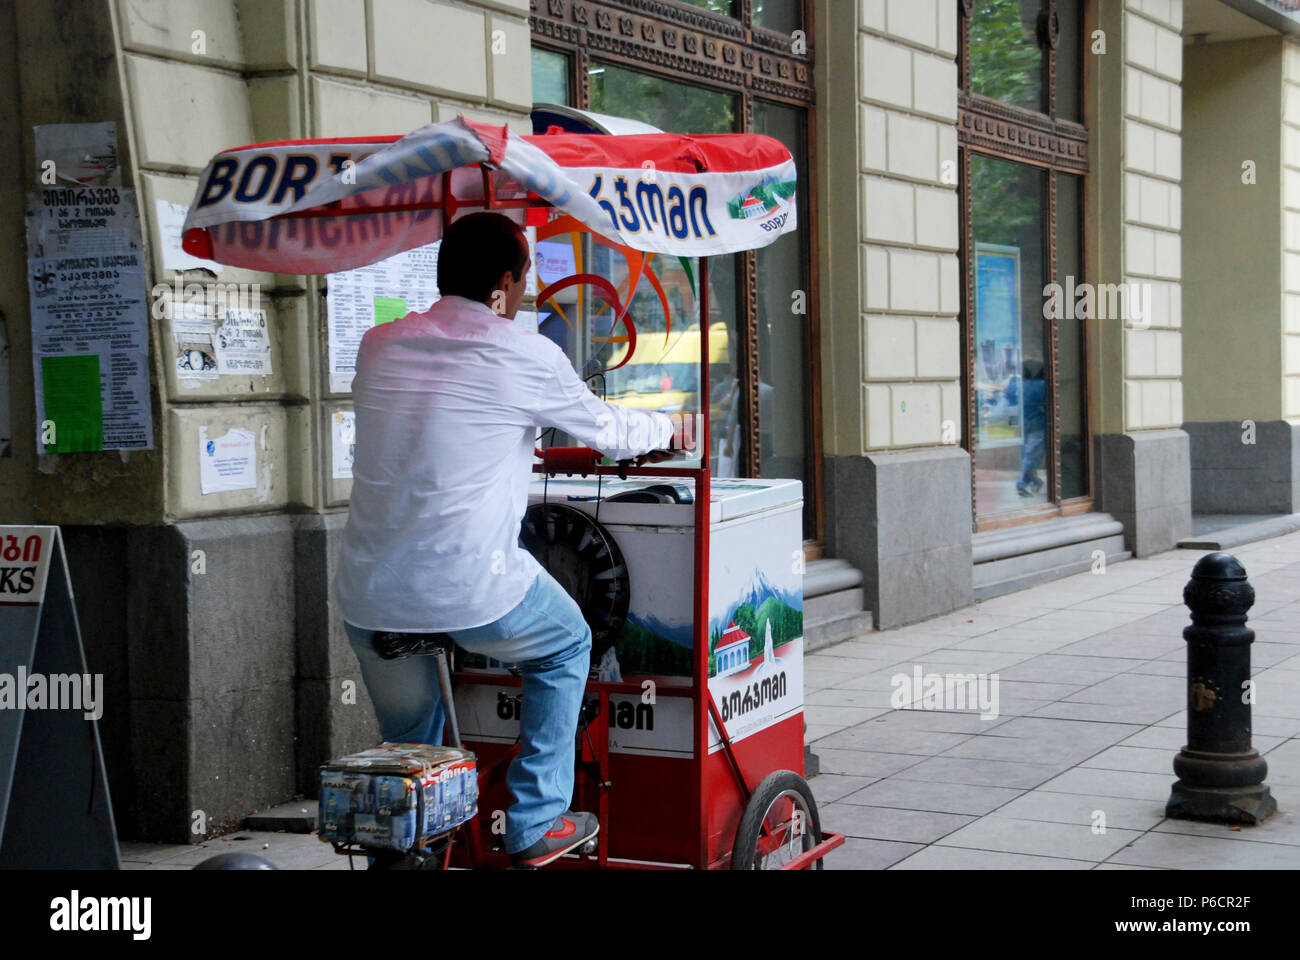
(1245, 466)
(1143, 479)
(228, 675)
(904, 520)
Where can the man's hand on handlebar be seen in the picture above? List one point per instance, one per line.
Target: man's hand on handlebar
(654, 456)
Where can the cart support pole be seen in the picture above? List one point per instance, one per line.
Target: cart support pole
(701, 612)
(448, 704)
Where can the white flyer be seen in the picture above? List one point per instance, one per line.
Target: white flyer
(171, 220)
(89, 310)
(344, 435)
(243, 343)
(555, 261)
(381, 292)
(227, 462)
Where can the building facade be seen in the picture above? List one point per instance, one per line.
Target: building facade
(1042, 312)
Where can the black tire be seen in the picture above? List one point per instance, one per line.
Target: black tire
(791, 790)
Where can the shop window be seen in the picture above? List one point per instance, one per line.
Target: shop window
(1024, 158)
(733, 69)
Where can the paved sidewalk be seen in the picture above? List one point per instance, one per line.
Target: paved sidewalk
(1091, 713)
(287, 851)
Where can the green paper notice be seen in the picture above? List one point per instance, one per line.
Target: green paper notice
(388, 309)
(72, 403)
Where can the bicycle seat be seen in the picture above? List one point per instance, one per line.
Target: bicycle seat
(395, 646)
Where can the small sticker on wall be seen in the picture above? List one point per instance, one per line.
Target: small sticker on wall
(170, 219)
(345, 443)
(227, 462)
(243, 343)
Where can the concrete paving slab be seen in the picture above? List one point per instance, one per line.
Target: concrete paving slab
(960, 858)
(858, 854)
(946, 720)
(891, 823)
(1040, 838)
(1140, 759)
(1032, 641)
(849, 698)
(1077, 808)
(1130, 713)
(990, 773)
(1112, 783)
(829, 787)
(891, 739)
(1056, 755)
(1178, 851)
(929, 795)
(864, 763)
(839, 716)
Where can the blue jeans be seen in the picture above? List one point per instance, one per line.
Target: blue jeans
(548, 639)
(1031, 453)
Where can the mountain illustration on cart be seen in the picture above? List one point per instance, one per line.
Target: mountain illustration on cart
(648, 645)
(764, 618)
(761, 199)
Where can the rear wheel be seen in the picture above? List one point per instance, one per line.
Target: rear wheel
(780, 823)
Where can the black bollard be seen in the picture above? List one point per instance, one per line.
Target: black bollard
(1220, 775)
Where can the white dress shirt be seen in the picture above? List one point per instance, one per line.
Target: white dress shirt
(447, 406)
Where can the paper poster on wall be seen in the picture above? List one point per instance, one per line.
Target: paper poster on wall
(89, 311)
(555, 261)
(357, 300)
(998, 348)
(79, 154)
(171, 218)
(194, 335)
(243, 343)
(344, 445)
(228, 462)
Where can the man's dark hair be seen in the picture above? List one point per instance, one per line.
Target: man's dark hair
(475, 251)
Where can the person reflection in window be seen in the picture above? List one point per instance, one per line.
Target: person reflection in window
(1034, 416)
(725, 401)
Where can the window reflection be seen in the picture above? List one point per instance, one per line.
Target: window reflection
(1006, 62)
(725, 7)
(550, 77)
(780, 15)
(1008, 220)
(666, 104)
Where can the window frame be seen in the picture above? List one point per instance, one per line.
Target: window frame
(1001, 130)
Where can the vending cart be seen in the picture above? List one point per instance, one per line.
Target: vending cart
(690, 742)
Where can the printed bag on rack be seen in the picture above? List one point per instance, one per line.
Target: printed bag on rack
(396, 794)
